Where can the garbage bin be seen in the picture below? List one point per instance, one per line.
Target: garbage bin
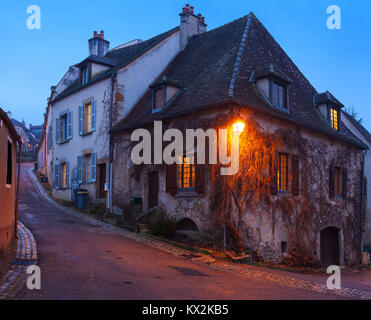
(75, 201)
(36, 166)
(82, 199)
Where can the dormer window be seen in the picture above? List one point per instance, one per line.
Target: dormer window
(334, 118)
(159, 98)
(279, 95)
(85, 75)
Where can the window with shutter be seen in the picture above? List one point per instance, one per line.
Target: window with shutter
(186, 175)
(81, 120)
(273, 176)
(87, 118)
(56, 177)
(69, 125)
(282, 172)
(57, 130)
(80, 169)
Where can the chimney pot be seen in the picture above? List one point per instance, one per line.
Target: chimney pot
(192, 9)
(102, 34)
(95, 33)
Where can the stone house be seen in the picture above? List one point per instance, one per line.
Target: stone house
(29, 139)
(10, 142)
(362, 134)
(309, 209)
(96, 94)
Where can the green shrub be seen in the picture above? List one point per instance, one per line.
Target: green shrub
(162, 225)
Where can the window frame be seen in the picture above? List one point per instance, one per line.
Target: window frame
(284, 86)
(9, 164)
(280, 175)
(192, 175)
(85, 74)
(332, 119)
(338, 182)
(154, 91)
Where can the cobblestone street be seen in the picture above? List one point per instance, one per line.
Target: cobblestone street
(81, 258)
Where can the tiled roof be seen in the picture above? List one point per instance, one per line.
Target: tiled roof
(363, 131)
(216, 68)
(118, 58)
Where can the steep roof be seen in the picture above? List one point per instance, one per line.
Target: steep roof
(117, 59)
(4, 116)
(217, 67)
(362, 130)
(27, 131)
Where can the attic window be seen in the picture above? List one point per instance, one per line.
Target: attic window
(84, 75)
(279, 95)
(334, 119)
(158, 98)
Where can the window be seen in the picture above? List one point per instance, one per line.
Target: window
(87, 118)
(61, 176)
(9, 166)
(84, 75)
(279, 95)
(282, 173)
(334, 118)
(186, 175)
(158, 99)
(86, 168)
(64, 127)
(337, 182)
(64, 181)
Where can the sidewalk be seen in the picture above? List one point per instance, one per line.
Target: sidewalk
(315, 283)
(13, 280)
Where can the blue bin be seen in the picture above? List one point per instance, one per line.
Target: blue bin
(82, 199)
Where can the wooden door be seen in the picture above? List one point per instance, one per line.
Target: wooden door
(153, 187)
(102, 180)
(330, 248)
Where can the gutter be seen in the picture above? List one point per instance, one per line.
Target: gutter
(111, 137)
(362, 198)
(17, 190)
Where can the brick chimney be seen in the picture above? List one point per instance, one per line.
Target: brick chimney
(98, 46)
(190, 25)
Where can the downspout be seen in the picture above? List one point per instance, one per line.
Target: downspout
(362, 198)
(113, 75)
(17, 190)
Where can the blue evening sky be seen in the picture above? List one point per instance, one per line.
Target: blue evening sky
(33, 60)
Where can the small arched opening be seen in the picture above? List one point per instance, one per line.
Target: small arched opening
(186, 224)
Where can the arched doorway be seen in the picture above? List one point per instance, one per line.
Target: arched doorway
(330, 246)
(186, 224)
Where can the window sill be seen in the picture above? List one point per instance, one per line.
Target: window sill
(64, 141)
(186, 194)
(8, 186)
(86, 133)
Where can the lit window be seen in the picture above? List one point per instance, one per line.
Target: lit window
(64, 183)
(334, 119)
(186, 174)
(279, 98)
(87, 118)
(282, 173)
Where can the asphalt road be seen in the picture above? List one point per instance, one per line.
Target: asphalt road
(83, 261)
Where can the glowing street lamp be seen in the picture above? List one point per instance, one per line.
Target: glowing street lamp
(238, 127)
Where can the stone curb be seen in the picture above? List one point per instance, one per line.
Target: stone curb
(26, 255)
(208, 260)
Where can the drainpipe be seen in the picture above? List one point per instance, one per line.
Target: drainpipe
(113, 75)
(362, 198)
(17, 191)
